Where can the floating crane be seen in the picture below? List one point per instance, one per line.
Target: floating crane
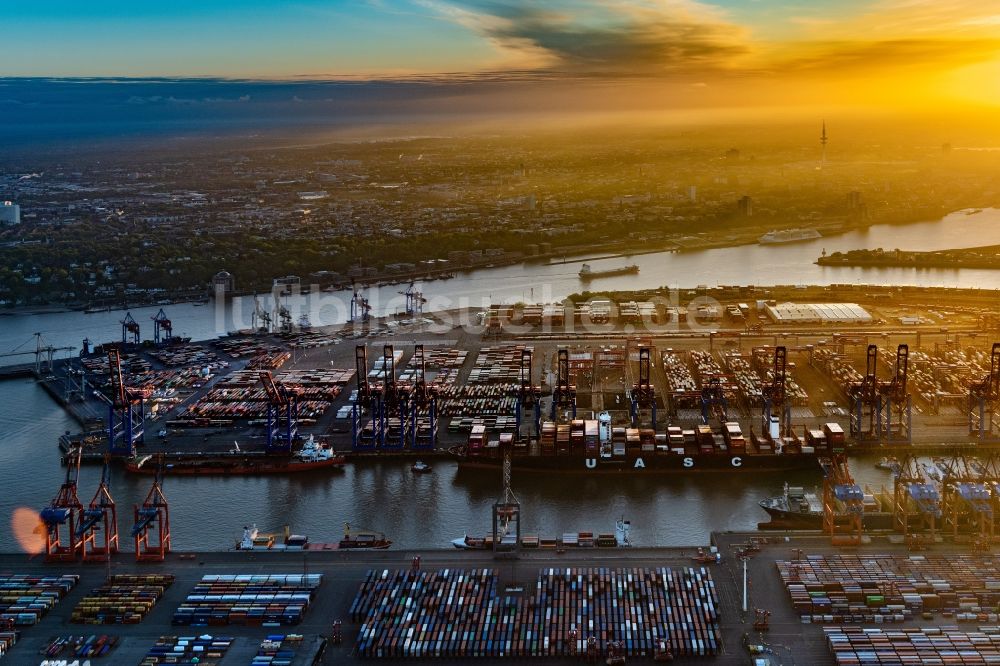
(643, 392)
(843, 503)
(151, 530)
(984, 398)
(507, 511)
(126, 411)
(564, 395)
(360, 309)
(65, 510)
(414, 300)
(282, 410)
(163, 329)
(777, 408)
(866, 400)
(529, 396)
(130, 329)
(895, 405)
(98, 531)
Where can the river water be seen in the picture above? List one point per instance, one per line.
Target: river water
(430, 510)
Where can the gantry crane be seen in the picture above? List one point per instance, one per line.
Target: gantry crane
(643, 392)
(529, 396)
(130, 329)
(965, 499)
(713, 399)
(843, 503)
(414, 300)
(360, 309)
(260, 319)
(393, 402)
(98, 531)
(895, 407)
(564, 395)
(126, 411)
(914, 497)
(366, 398)
(151, 530)
(777, 408)
(40, 352)
(984, 399)
(422, 401)
(282, 415)
(163, 329)
(507, 511)
(65, 510)
(865, 399)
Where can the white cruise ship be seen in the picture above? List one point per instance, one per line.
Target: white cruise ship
(788, 236)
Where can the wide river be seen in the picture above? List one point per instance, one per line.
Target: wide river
(430, 510)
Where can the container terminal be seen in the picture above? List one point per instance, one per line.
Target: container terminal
(603, 386)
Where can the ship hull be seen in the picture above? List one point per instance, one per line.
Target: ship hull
(782, 518)
(217, 467)
(653, 463)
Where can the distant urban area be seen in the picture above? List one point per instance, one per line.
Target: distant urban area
(156, 226)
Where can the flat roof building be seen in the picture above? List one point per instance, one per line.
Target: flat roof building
(818, 313)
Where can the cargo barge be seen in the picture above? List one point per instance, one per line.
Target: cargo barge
(587, 273)
(593, 446)
(254, 540)
(621, 538)
(312, 456)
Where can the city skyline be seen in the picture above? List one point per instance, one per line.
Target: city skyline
(892, 53)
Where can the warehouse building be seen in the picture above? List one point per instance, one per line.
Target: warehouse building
(818, 313)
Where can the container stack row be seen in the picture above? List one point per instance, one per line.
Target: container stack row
(253, 600)
(885, 588)
(7, 641)
(467, 614)
(916, 646)
(123, 599)
(203, 650)
(26, 599)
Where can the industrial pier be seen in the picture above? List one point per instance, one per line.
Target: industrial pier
(779, 623)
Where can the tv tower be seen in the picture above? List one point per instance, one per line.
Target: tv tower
(822, 141)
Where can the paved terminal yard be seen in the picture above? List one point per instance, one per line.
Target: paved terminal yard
(790, 640)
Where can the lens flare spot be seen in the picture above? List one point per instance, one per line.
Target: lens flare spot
(29, 530)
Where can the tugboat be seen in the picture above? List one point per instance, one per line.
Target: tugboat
(795, 509)
(420, 467)
(887, 463)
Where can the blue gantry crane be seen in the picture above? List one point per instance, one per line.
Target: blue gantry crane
(126, 411)
(866, 402)
(643, 392)
(984, 399)
(282, 415)
(360, 309)
(163, 329)
(564, 393)
(777, 407)
(422, 401)
(130, 330)
(895, 404)
(915, 498)
(529, 397)
(414, 300)
(366, 399)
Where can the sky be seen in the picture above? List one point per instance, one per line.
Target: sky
(683, 52)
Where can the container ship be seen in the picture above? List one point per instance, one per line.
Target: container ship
(587, 273)
(788, 236)
(593, 446)
(312, 456)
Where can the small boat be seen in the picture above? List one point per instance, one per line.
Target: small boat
(420, 467)
(162, 433)
(887, 463)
